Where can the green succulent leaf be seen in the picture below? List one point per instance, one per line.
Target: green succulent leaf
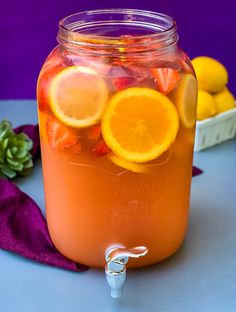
(7, 171)
(2, 153)
(14, 150)
(9, 153)
(29, 164)
(5, 143)
(15, 165)
(21, 153)
(5, 129)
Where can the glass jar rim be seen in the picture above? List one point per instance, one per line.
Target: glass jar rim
(162, 28)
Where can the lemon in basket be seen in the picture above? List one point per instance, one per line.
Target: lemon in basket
(205, 105)
(212, 75)
(224, 100)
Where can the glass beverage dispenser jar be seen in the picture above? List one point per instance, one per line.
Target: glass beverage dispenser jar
(117, 105)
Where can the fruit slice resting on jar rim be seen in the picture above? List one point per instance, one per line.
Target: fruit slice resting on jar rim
(78, 96)
(139, 124)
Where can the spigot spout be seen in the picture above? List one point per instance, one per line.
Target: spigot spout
(115, 269)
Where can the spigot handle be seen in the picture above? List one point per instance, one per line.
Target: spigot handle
(115, 269)
(116, 254)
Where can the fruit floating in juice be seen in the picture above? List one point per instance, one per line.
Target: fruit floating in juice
(117, 143)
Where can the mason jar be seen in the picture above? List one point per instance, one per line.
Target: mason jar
(117, 109)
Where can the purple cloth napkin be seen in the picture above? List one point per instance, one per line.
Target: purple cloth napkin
(196, 171)
(23, 229)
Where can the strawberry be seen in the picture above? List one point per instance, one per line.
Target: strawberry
(166, 78)
(94, 132)
(101, 148)
(123, 82)
(60, 137)
(42, 95)
(50, 70)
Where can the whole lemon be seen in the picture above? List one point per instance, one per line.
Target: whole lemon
(224, 100)
(212, 75)
(205, 105)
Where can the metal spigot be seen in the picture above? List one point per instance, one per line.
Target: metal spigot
(115, 269)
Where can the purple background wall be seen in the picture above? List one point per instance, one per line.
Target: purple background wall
(28, 31)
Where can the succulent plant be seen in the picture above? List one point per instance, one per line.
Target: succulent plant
(15, 156)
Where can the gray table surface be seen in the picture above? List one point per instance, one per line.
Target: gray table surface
(201, 276)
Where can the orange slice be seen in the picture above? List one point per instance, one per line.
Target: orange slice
(78, 96)
(139, 124)
(185, 98)
(138, 168)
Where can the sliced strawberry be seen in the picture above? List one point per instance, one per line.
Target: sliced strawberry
(48, 72)
(166, 79)
(123, 82)
(42, 95)
(101, 148)
(94, 132)
(60, 137)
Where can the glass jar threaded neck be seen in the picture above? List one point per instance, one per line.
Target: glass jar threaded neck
(116, 31)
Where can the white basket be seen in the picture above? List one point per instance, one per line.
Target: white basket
(215, 130)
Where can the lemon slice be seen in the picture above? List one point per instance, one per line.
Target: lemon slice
(78, 96)
(185, 98)
(139, 124)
